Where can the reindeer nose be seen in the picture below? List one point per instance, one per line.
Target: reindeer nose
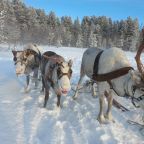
(19, 71)
(17, 74)
(64, 91)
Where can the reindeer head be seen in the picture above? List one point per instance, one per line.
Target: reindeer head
(19, 63)
(60, 73)
(63, 74)
(23, 61)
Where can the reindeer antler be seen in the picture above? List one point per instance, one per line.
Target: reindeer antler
(137, 57)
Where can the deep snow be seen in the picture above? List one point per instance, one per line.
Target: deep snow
(24, 121)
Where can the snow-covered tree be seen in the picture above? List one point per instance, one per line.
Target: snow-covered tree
(85, 25)
(11, 26)
(66, 23)
(2, 22)
(92, 40)
(76, 40)
(132, 34)
(19, 23)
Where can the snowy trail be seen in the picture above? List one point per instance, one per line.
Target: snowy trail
(23, 120)
(9, 99)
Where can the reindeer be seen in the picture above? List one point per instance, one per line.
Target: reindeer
(28, 61)
(56, 73)
(112, 72)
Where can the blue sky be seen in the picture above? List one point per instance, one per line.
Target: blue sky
(115, 9)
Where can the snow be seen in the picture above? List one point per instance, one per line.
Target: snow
(23, 120)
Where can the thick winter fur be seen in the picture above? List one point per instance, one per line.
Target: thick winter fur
(27, 61)
(111, 59)
(56, 73)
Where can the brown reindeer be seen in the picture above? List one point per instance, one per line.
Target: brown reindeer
(56, 73)
(27, 61)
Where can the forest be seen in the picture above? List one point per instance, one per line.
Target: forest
(20, 24)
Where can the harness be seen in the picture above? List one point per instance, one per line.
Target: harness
(112, 75)
(59, 73)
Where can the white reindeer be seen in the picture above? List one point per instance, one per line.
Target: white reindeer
(114, 73)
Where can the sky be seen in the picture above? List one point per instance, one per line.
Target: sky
(115, 9)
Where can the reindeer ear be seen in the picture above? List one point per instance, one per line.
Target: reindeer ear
(27, 53)
(136, 76)
(14, 53)
(70, 62)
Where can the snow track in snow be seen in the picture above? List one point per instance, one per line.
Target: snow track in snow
(23, 120)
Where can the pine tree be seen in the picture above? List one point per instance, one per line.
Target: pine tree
(76, 40)
(92, 39)
(85, 25)
(11, 27)
(67, 29)
(2, 23)
(132, 34)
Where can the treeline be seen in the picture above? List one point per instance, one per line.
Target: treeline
(26, 24)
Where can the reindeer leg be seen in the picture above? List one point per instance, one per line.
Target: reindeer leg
(93, 89)
(46, 92)
(27, 80)
(46, 96)
(101, 117)
(82, 74)
(43, 84)
(77, 88)
(35, 76)
(108, 114)
(27, 83)
(58, 100)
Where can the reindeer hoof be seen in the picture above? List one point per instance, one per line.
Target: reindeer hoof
(94, 96)
(109, 117)
(102, 120)
(42, 91)
(60, 106)
(44, 105)
(27, 90)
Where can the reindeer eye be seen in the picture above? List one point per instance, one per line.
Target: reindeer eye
(24, 59)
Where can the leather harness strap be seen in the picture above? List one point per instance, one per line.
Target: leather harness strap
(96, 63)
(110, 75)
